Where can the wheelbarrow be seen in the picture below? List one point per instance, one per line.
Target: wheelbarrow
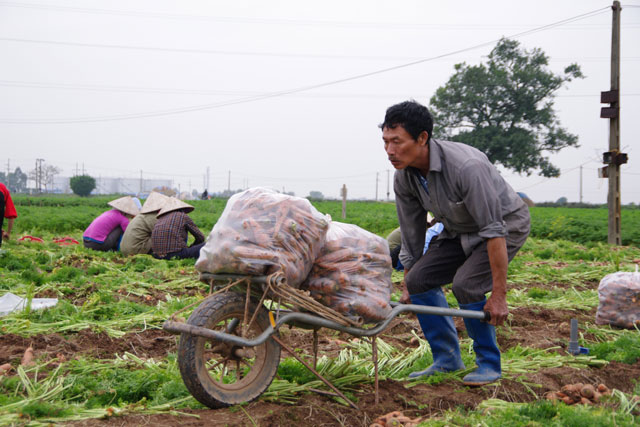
(229, 348)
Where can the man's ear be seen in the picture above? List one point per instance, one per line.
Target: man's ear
(423, 138)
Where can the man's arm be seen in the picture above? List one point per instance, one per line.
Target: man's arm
(194, 230)
(498, 259)
(7, 234)
(405, 298)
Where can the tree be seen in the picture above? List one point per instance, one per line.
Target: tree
(82, 185)
(16, 182)
(505, 108)
(49, 172)
(315, 195)
(43, 176)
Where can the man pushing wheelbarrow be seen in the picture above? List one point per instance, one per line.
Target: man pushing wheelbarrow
(485, 224)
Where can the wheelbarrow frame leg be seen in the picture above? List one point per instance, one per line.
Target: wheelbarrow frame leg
(316, 373)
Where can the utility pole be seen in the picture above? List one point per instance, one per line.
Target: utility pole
(343, 193)
(377, 173)
(229, 183)
(208, 182)
(581, 184)
(140, 192)
(39, 175)
(613, 158)
(8, 168)
(388, 185)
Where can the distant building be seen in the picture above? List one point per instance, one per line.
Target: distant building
(109, 185)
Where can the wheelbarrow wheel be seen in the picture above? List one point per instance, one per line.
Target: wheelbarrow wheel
(218, 374)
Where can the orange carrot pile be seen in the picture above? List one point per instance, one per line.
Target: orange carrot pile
(619, 295)
(395, 419)
(261, 232)
(352, 274)
(579, 393)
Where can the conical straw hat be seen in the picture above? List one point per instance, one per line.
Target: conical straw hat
(173, 204)
(154, 202)
(125, 204)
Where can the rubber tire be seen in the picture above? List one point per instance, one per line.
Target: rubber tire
(192, 368)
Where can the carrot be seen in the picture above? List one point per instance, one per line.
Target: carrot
(260, 236)
(585, 401)
(281, 216)
(588, 391)
(324, 285)
(253, 253)
(337, 256)
(27, 358)
(5, 368)
(378, 259)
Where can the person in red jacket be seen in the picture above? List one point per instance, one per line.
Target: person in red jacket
(7, 210)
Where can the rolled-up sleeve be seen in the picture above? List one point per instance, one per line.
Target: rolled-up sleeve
(476, 181)
(412, 217)
(194, 230)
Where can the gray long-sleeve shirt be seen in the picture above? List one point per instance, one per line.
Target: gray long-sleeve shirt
(466, 193)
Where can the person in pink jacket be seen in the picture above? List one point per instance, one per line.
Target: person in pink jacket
(105, 232)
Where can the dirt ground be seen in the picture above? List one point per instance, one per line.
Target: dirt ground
(531, 327)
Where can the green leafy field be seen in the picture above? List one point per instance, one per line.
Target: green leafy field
(121, 296)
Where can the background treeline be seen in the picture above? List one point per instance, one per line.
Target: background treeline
(72, 214)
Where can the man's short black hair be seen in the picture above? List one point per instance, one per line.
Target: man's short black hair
(412, 116)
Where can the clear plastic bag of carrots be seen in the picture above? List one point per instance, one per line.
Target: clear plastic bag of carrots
(352, 274)
(619, 295)
(261, 232)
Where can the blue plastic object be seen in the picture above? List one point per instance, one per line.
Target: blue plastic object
(574, 348)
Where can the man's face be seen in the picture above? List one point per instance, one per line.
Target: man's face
(402, 150)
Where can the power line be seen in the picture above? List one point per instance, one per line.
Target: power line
(216, 92)
(207, 51)
(294, 90)
(562, 172)
(256, 20)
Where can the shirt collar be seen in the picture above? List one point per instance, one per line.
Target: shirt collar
(435, 156)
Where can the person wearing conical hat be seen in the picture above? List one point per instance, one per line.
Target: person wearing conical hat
(104, 232)
(137, 236)
(170, 233)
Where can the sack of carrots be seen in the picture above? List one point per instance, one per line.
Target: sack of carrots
(619, 295)
(352, 274)
(261, 232)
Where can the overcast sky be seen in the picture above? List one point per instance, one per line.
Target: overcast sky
(285, 94)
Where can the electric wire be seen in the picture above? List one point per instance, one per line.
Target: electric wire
(293, 90)
(216, 92)
(250, 20)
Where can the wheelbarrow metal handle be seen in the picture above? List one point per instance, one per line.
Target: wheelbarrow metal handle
(178, 327)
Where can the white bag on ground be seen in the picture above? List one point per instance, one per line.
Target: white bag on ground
(619, 295)
(261, 232)
(352, 274)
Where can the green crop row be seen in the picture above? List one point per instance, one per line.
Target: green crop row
(69, 214)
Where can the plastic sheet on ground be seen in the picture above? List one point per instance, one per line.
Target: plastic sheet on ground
(10, 302)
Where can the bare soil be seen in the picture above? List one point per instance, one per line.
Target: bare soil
(531, 327)
(422, 400)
